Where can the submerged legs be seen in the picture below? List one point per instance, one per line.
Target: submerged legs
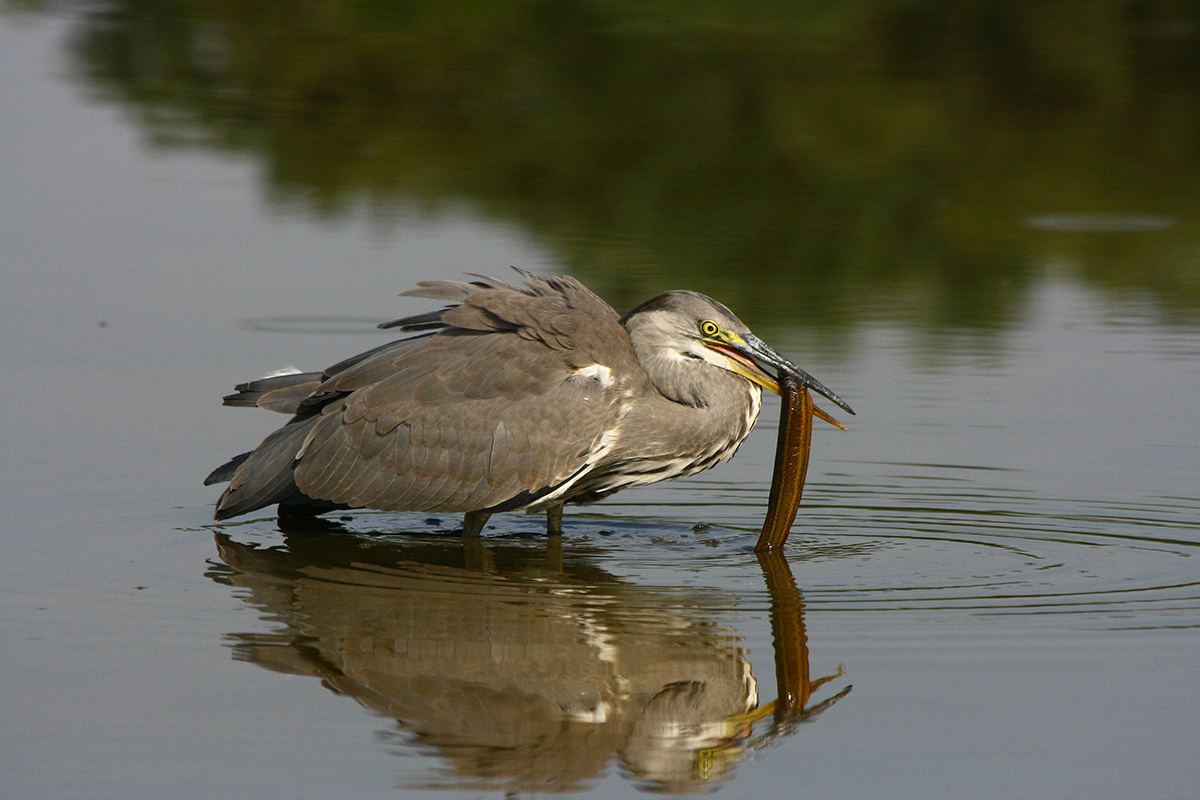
(473, 523)
(554, 520)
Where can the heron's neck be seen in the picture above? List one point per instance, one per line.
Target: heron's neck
(682, 379)
(678, 377)
(692, 436)
(703, 393)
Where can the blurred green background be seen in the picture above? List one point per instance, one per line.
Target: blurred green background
(925, 162)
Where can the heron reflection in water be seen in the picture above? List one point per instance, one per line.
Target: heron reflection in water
(522, 668)
(511, 397)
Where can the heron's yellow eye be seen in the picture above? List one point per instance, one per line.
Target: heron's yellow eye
(709, 328)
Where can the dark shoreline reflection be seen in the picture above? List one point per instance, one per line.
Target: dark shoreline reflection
(524, 667)
(873, 159)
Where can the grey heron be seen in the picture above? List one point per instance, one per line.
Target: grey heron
(512, 396)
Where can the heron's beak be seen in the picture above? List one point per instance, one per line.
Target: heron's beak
(747, 356)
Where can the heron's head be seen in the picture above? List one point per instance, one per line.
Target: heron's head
(687, 326)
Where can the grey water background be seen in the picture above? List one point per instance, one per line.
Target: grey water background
(977, 223)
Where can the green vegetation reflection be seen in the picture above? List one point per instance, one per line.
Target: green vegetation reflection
(911, 160)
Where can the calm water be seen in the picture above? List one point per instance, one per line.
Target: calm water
(988, 247)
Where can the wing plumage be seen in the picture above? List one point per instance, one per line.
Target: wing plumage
(501, 404)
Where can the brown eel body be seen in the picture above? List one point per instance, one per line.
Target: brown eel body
(791, 463)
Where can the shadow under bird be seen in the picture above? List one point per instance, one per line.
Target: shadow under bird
(511, 397)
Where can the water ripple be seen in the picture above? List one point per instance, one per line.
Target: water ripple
(992, 550)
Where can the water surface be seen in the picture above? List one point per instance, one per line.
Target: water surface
(991, 587)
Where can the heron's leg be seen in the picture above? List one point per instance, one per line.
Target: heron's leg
(473, 523)
(554, 520)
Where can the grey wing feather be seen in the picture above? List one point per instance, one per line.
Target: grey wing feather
(418, 322)
(225, 472)
(489, 411)
(559, 311)
(282, 393)
(265, 476)
(437, 437)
